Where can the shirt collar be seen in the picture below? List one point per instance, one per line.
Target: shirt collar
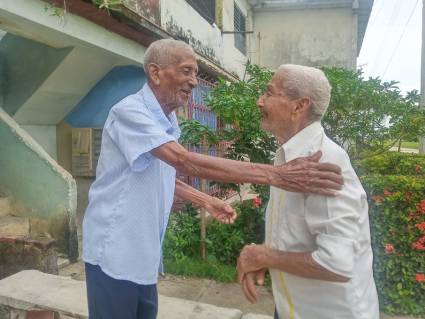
(303, 141)
(170, 123)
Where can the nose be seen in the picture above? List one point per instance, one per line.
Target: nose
(193, 82)
(260, 101)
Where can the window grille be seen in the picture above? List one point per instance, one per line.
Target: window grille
(206, 8)
(240, 26)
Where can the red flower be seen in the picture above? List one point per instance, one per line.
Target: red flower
(421, 226)
(377, 198)
(418, 169)
(420, 244)
(256, 202)
(387, 192)
(389, 248)
(420, 277)
(421, 206)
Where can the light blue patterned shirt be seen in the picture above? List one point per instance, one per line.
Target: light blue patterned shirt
(131, 198)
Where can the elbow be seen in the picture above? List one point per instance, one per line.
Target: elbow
(337, 269)
(182, 163)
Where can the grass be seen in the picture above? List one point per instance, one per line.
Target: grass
(414, 145)
(404, 144)
(191, 267)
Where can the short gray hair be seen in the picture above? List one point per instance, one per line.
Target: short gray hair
(304, 81)
(161, 52)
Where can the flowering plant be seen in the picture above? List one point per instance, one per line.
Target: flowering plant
(397, 217)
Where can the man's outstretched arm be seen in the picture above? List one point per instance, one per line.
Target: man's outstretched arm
(305, 175)
(217, 208)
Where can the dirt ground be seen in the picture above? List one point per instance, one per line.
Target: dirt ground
(197, 289)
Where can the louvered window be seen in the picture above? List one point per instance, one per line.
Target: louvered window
(206, 8)
(239, 25)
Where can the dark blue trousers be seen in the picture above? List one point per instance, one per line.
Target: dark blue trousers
(110, 298)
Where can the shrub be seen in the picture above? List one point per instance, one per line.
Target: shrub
(182, 238)
(397, 216)
(224, 242)
(392, 163)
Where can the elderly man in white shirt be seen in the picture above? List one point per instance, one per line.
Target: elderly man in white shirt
(317, 248)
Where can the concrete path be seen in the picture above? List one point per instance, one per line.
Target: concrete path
(31, 290)
(209, 292)
(228, 295)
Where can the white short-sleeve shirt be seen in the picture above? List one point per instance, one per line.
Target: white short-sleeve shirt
(131, 198)
(334, 229)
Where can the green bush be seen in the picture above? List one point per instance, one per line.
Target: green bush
(224, 242)
(392, 163)
(182, 238)
(397, 216)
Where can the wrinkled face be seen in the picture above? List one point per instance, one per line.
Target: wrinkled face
(276, 107)
(177, 80)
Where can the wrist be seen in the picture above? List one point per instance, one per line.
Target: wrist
(267, 258)
(275, 175)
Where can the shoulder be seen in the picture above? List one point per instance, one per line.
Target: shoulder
(130, 102)
(131, 108)
(334, 153)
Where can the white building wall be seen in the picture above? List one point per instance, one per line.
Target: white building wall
(233, 58)
(181, 20)
(312, 37)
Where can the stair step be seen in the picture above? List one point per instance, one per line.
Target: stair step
(14, 226)
(5, 206)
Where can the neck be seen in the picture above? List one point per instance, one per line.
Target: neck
(167, 109)
(289, 132)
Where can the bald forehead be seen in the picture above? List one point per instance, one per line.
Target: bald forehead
(167, 51)
(278, 79)
(182, 53)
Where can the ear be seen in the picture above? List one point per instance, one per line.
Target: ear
(302, 105)
(154, 70)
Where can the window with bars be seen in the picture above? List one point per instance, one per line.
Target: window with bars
(239, 22)
(206, 8)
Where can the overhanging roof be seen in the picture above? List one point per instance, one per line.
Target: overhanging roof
(363, 7)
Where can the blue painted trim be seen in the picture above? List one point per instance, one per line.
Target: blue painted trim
(93, 109)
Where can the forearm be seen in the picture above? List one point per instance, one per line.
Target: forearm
(299, 264)
(190, 194)
(225, 170)
(299, 175)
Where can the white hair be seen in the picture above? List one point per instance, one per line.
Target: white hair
(162, 52)
(304, 81)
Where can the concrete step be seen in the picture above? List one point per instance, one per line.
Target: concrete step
(31, 289)
(14, 226)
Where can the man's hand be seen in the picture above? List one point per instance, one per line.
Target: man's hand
(307, 175)
(221, 211)
(251, 259)
(248, 284)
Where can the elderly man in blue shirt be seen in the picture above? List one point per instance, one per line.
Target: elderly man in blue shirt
(131, 198)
